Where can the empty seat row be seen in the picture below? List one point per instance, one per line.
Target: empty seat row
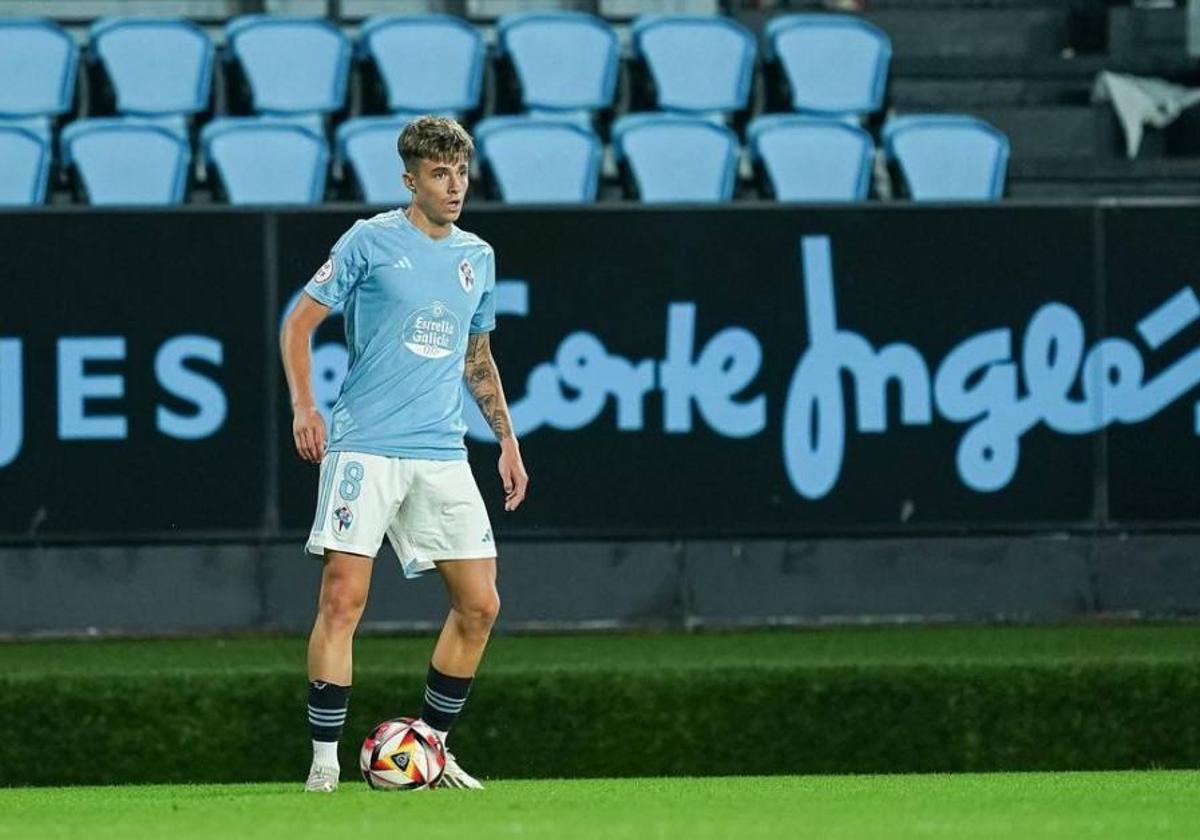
(128, 161)
(564, 64)
(664, 157)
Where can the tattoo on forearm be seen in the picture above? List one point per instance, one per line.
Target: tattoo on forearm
(483, 380)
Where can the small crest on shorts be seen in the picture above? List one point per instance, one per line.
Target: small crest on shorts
(466, 276)
(342, 519)
(324, 272)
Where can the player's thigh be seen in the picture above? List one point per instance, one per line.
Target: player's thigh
(345, 581)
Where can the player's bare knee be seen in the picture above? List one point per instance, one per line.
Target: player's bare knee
(342, 606)
(477, 614)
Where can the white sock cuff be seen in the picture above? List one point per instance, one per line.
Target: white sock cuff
(325, 753)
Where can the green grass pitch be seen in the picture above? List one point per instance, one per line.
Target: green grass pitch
(1138, 805)
(738, 806)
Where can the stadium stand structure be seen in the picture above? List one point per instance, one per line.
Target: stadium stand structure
(155, 67)
(125, 161)
(38, 62)
(1026, 67)
(561, 64)
(261, 160)
(540, 160)
(833, 65)
(368, 147)
(24, 166)
(699, 64)
(676, 158)
(805, 158)
(292, 67)
(947, 157)
(424, 63)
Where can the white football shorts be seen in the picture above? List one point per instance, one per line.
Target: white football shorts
(430, 510)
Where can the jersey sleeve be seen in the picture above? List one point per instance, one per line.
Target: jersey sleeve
(484, 319)
(347, 265)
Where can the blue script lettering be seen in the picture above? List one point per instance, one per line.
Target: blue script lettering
(206, 395)
(814, 423)
(977, 382)
(574, 389)
(729, 362)
(75, 387)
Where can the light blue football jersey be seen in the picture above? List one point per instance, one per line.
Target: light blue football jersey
(410, 303)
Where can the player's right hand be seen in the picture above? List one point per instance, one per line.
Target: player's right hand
(308, 430)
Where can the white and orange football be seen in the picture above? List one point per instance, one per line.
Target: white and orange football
(402, 754)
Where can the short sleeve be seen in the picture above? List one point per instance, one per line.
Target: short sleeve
(484, 319)
(347, 265)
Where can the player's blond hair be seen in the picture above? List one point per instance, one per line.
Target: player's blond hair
(439, 139)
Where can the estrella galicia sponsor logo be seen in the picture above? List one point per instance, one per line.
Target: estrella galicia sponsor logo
(343, 518)
(432, 331)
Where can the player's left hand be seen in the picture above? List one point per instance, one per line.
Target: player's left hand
(512, 473)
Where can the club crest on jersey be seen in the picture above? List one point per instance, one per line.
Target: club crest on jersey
(324, 272)
(342, 519)
(466, 276)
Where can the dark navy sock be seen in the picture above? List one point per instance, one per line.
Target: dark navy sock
(327, 705)
(445, 697)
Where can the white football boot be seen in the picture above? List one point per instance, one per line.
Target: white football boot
(456, 777)
(322, 779)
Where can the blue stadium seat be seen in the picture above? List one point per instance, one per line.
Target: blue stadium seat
(540, 161)
(948, 157)
(127, 161)
(677, 158)
(38, 61)
(699, 63)
(812, 159)
(266, 161)
(833, 64)
(157, 66)
(368, 146)
(294, 65)
(24, 166)
(35, 125)
(427, 63)
(565, 62)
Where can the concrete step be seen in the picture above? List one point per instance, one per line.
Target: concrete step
(947, 83)
(976, 33)
(1081, 132)
(1138, 31)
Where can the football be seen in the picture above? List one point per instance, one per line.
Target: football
(402, 754)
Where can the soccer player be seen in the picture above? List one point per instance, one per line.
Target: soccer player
(418, 297)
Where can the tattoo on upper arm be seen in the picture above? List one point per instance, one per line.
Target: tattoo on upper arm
(483, 380)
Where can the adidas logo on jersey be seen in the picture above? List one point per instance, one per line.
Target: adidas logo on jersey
(403, 262)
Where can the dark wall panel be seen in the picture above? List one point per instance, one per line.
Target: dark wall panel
(132, 361)
(717, 372)
(1152, 257)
